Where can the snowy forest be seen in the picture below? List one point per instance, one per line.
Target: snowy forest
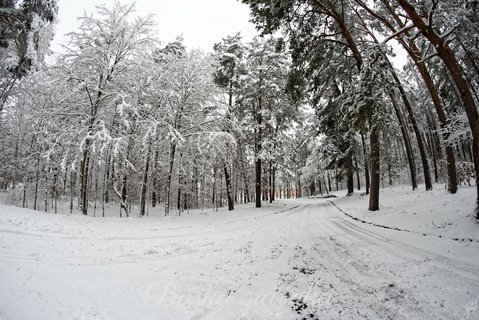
(313, 105)
(324, 168)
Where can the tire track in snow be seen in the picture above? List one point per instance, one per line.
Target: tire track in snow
(353, 277)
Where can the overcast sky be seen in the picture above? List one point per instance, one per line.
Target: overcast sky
(202, 22)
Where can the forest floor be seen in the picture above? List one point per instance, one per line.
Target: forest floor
(294, 259)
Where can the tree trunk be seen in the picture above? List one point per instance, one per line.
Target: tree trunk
(145, 181)
(84, 168)
(415, 55)
(257, 164)
(178, 198)
(271, 182)
(124, 193)
(407, 142)
(169, 178)
(350, 181)
(375, 168)
(243, 173)
(96, 195)
(229, 191)
(417, 132)
(451, 63)
(329, 182)
(72, 188)
(273, 196)
(366, 165)
(155, 190)
(357, 174)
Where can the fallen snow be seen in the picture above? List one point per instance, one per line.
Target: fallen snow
(294, 259)
(434, 213)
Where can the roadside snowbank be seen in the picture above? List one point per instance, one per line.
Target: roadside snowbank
(433, 212)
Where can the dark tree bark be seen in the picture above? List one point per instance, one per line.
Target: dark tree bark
(155, 188)
(84, 172)
(145, 181)
(257, 164)
(329, 182)
(229, 191)
(169, 178)
(375, 169)
(271, 190)
(356, 169)
(350, 175)
(274, 184)
(124, 194)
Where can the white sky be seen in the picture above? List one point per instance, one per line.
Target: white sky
(201, 22)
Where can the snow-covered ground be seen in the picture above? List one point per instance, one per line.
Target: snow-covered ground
(433, 213)
(294, 259)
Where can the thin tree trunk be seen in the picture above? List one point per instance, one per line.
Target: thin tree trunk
(46, 191)
(417, 132)
(451, 63)
(357, 174)
(72, 188)
(229, 192)
(270, 182)
(415, 55)
(124, 194)
(169, 179)
(407, 142)
(96, 195)
(329, 182)
(366, 165)
(274, 184)
(37, 177)
(259, 121)
(350, 181)
(145, 181)
(257, 165)
(155, 192)
(84, 173)
(412, 118)
(375, 168)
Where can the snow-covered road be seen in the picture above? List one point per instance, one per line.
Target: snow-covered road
(293, 260)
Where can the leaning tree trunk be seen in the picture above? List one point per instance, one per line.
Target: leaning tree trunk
(417, 131)
(412, 118)
(447, 56)
(407, 142)
(415, 55)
